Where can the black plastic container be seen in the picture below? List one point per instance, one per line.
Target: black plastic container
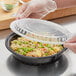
(31, 60)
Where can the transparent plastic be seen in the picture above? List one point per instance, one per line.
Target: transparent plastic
(8, 5)
(36, 8)
(40, 30)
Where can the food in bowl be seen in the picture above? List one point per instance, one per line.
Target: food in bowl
(30, 48)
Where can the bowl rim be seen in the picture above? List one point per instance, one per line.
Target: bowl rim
(7, 44)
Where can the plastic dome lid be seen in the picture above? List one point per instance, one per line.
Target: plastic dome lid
(40, 30)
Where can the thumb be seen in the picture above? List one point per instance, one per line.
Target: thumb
(21, 10)
(70, 45)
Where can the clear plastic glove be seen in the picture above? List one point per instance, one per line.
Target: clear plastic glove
(71, 44)
(36, 9)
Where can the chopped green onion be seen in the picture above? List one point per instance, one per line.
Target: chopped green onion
(40, 45)
(48, 46)
(46, 54)
(26, 49)
(51, 48)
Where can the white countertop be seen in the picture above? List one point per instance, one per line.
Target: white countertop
(67, 22)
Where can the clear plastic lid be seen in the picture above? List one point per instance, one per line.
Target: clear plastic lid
(40, 30)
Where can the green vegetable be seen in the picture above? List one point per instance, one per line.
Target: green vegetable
(34, 45)
(17, 51)
(60, 46)
(9, 6)
(23, 53)
(26, 49)
(51, 48)
(17, 42)
(46, 54)
(25, 42)
(41, 45)
(48, 46)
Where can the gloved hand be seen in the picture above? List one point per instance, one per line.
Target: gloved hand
(36, 9)
(71, 44)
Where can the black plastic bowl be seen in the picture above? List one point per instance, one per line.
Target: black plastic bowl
(31, 60)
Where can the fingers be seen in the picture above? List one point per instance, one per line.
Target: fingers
(72, 40)
(24, 11)
(39, 15)
(34, 15)
(71, 46)
(21, 10)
